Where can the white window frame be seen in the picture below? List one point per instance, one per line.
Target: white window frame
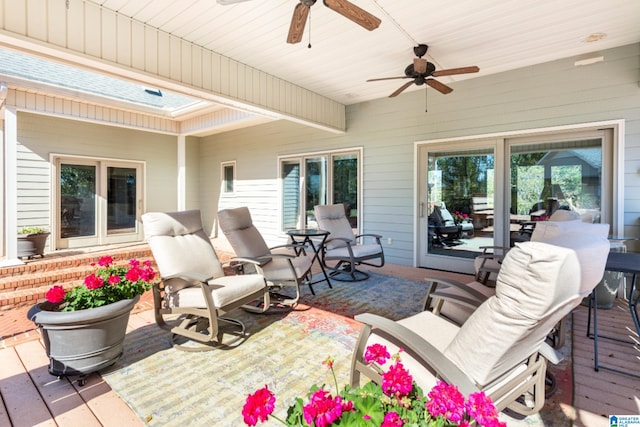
(223, 178)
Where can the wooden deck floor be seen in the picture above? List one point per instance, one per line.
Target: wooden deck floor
(32, 397)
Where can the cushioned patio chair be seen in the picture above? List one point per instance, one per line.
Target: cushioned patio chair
(343, 250)
(501, 348)
(456, 300)
(193, 285)
(289, 268)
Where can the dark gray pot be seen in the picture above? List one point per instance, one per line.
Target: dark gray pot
(30, 245)
(83, 341)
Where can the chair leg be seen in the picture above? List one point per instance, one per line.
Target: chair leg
(347, 272)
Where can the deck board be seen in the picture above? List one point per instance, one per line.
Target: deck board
(597, 394)
(65, 405)
(22, 400)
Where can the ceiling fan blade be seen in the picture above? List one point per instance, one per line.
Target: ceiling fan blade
(298, 21)
(452, 71)
(388, 78)
(440, 87)
(400, 89)
(354, 13)
(420, 65)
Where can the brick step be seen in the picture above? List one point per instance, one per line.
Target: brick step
(27, 284)
(28, 296)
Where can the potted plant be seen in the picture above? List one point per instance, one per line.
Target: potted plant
(397, 401)
(83, 328)
(31, 241)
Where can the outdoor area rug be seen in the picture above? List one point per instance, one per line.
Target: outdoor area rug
(169, 387)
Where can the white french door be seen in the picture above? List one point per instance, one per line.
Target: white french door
(97, 201)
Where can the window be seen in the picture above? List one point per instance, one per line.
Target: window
(317, 179)
(228, 171)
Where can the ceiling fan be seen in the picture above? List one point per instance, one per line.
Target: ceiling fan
(301, 12)
(422, 71)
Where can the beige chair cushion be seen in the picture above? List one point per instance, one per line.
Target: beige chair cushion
(359, 251)
(535, 283)
(332, 218)
(587, 239)
(244, 237)
(179, 244)
(224, 290)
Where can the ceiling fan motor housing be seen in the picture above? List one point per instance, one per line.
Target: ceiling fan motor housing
(411, 72)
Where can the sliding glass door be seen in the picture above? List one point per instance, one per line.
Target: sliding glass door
(493, 192)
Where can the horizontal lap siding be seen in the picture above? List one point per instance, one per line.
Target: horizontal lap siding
(551, 94)
(40, 136)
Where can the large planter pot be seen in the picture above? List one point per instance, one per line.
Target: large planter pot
(30, 245)
(83, 341)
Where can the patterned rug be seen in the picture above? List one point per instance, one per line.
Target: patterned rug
(169, 387)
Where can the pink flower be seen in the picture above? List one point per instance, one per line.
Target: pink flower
(482, 409)
(133, 275)
(347, 406)
(329, 362)
(55, 295)
(392, 419)
(134, 262)
(258, 406)
(322, 409)
(397, 381)
(147, 274)
(93, 282)
(376, 353)
(113, 280)
(105, 261)
(446, 400)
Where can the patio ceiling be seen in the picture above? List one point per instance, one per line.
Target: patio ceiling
(495, 35)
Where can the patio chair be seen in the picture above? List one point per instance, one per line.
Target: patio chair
(343, 250)
(501, 349)
(281, 265)
(193, 285)
(446, 231)
(456, 301)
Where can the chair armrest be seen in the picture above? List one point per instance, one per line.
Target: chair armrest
(427, 353)
(471, 302)
(293, 246)
(189, 276)
(375, 236)
(241, 262)
(456, 284)
(550, 353)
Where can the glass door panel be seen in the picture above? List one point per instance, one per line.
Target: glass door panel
(457, 200)
(546, 177)
(315, 186)
(345, 184)
(460, 202)
(121, 200)
(77, 202)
